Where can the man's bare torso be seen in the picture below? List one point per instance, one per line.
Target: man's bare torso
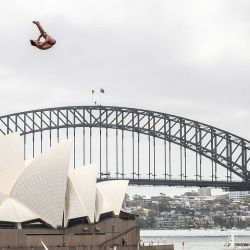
(48, 41)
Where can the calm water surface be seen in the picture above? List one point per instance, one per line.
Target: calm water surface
(194, 239)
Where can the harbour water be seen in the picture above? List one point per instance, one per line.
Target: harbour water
(194, 239)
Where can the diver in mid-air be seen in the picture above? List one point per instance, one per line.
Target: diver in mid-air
(48, 42)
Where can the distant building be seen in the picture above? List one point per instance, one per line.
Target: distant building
(170, 222)
(204, 191)
(237, 195)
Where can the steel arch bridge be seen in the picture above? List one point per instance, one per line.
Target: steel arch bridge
(223, 150)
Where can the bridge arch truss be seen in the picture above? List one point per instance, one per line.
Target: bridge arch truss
(223, 149)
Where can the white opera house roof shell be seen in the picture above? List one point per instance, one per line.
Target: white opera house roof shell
(44, 188)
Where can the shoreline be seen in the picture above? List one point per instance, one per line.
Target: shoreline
(193, 233)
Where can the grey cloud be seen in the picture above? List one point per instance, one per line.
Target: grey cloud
(189, 58)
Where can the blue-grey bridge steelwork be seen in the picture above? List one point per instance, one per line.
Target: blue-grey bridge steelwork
(223, 149)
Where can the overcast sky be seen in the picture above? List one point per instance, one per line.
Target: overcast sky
(189, 58)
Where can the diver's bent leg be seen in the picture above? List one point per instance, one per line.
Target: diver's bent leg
(39, 27)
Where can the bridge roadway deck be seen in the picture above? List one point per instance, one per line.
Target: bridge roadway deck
(230, 186)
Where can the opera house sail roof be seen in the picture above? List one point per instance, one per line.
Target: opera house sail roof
(46, 189)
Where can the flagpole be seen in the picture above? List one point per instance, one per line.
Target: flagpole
(93, 96)
(101, 92)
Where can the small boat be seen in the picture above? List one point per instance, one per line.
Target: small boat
(232, 245)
